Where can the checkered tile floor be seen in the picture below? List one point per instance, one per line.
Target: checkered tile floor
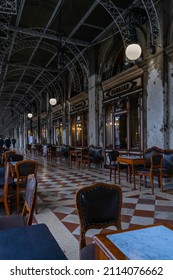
(57, 186)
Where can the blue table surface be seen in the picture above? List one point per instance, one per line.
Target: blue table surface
(29, 243)
(152, 243)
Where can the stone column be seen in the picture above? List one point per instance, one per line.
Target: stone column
(170, 96)
(64, 132)
(92, 108)
(95, 96)
(100, 113)
(49, 127)
(156, 103)
(49, 121)
(38, 130)
(23, 131)
(68, 124)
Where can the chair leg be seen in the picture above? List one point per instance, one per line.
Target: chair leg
(115, 176)
(18, 199)
(36, 205)
(145, 181)
(139, 181)
(89, 164)
(160, 182)
(7, 209)
(128, 175)
(152, 184)
(110, 174)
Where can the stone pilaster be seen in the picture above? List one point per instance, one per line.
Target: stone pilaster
(93, 111)
(156, 110)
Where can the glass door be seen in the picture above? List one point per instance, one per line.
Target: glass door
(120, 130)
(126, 123)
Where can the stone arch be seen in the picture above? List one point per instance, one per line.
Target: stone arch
(23, 88)
(152, 16)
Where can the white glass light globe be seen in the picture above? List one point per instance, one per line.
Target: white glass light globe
(29, 115)
(53, 101)
(133, 51)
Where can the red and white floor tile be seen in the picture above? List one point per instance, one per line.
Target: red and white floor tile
(57, 186)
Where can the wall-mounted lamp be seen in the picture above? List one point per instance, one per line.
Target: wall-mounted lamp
(30, 115)
(52, 101)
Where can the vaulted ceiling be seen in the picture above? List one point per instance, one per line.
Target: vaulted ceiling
(30, 34)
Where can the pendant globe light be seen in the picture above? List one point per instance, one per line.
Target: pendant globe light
(134, 19)
(133, 51)
(30, 115)
(52, 101)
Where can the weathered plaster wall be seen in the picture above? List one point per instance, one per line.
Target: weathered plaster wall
(169, 51)
(92, 110)
(100, 115)
(64, 131)
(170, 103)
(155, 108)
(95, 112)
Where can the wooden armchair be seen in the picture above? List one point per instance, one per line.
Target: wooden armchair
(6, 156)
(155, 170)
(28, 148)
(83, 157)
(51, 153)
(99, 206)
(23, 169)
(6, 188)
(26, 217)
(95, 155)
(113, 166)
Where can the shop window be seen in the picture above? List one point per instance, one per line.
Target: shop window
(121, 104)
(34, 135)
(78, 134)
(135, 127)
(43, 134)
(79, 130)
(57, 132)
(85, 130)
(73, 131)
(120, 130)
(123, 123)
(108, 127)
(29, 135)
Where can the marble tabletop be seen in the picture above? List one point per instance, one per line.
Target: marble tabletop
(152, 243)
